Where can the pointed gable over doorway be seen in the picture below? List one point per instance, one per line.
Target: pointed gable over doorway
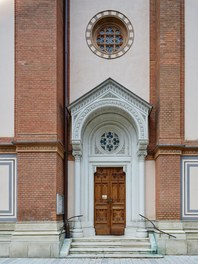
(110, 94)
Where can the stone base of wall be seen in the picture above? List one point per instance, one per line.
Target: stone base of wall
(186, 241)
(31, 239)
(44, 239)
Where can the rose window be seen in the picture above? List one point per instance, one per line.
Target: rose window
(110, 39)
(109, 141)
(109, 34)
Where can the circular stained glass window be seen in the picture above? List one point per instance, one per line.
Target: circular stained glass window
(109, 141)
(110, 39)
(109, 34)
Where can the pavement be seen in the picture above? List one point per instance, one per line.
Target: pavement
(165, 260)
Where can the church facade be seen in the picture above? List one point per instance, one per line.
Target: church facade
(98, 106)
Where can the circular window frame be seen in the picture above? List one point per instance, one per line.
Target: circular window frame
(104, 18)
(105, 129)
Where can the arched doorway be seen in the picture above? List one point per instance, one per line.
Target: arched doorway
(109, 130)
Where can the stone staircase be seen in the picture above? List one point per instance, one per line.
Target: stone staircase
(111, 247)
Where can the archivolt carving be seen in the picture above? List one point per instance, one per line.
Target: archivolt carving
(110, 96)
(135, 116)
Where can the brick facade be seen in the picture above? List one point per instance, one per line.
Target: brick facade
(39, 105)
(168, 187)
(39, 101)
(44, 136)
(37, 186)
(167, 96)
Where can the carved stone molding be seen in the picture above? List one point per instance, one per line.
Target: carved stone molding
(142, 149)
(190, 152)
(168, 152)
(142, 154)
(7, 149)
(135, 116)
(40, 147)
(77, 156)
(77, 149)
(110, 95)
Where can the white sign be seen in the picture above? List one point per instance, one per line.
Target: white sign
(59, 204)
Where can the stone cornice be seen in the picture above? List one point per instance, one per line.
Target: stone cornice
(7, 149)
(175, 150)
(168, 150)
(44, 146)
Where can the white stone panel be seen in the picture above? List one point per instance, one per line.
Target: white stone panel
(189, 180)
(88, 70)
(191, 69)
(7, 187)
(4, 187)
(7, 68)
(193, 184)
(150, 189)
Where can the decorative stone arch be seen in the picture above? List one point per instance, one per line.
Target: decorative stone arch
(108, 97)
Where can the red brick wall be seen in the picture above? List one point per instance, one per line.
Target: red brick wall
(39, 69)
(39, 105)
(168, 187)
(36, 186)
(36, 78)
(167, 98)
(169, 72)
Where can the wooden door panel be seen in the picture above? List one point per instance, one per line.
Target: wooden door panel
(100, 191)
(117, 220)
(109, 196)
(102, 210)
(102, 219)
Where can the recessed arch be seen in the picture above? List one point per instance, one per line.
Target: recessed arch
(115, 111)
(109, 121)
(109, 107)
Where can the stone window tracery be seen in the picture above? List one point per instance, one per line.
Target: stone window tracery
(109, 34)
(110, 39)
(109, 141)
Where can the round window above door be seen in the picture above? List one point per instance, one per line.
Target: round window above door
(110, 139)
(109, 34)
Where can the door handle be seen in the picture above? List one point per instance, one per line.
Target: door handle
(110, 200)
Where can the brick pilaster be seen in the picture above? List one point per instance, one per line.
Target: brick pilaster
(39, 106)
(167, 97)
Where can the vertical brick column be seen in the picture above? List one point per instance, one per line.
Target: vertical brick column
(169, 71)
(167, 97)
(39, 107)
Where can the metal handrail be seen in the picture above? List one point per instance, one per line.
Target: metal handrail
(75, 216)
(161, 232)
(66, 228)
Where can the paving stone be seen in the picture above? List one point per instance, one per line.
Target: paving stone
(165, 260)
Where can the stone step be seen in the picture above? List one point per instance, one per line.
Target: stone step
(96, 250)
(110, 244)
(109, 239)
(111, 247)
(115, 255)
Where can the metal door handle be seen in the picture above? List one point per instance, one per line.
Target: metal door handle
(110, 200)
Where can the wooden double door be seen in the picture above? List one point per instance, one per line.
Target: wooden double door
(109, 201)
